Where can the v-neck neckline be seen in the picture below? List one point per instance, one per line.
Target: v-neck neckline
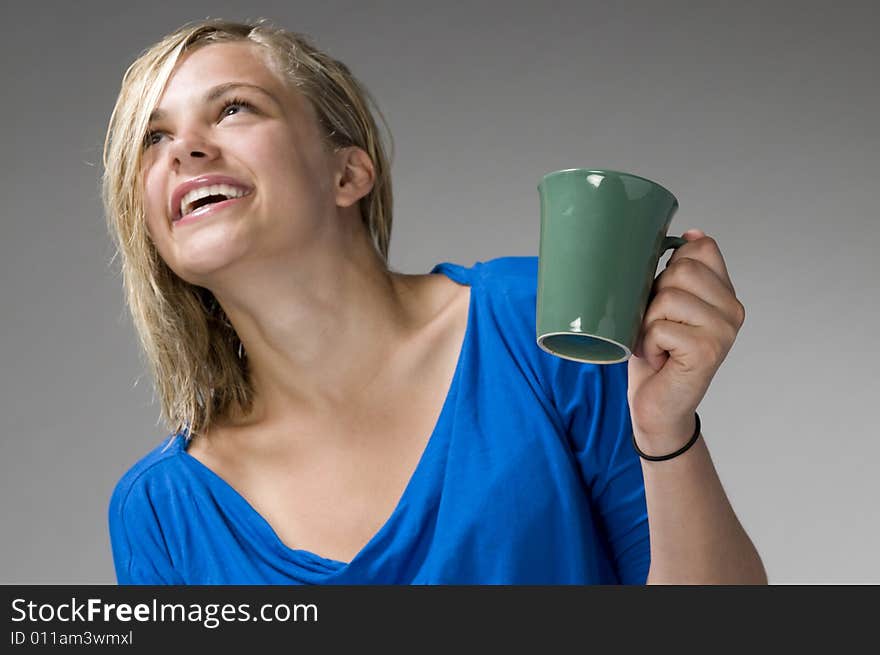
(438, 438)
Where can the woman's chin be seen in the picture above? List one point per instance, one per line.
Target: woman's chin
(201, 256)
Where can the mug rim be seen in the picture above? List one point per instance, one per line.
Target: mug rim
(542, 337)
(569, 171)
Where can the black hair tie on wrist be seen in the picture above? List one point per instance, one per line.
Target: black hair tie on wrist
(678, 452)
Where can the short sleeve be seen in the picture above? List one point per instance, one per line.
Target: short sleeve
(140, 552)
(592, 400)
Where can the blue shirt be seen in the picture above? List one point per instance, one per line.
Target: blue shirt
(529, 477)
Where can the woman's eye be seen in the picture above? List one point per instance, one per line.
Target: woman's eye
(234, 102)
(151, 140)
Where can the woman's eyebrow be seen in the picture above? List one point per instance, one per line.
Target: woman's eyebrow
(215, 92)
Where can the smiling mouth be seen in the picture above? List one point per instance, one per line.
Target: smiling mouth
(208, 205)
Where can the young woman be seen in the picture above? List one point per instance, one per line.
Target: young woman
(337, 422)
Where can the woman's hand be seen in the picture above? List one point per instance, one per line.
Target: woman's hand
(689, 327)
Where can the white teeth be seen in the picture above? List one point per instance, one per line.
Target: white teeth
(204, 191)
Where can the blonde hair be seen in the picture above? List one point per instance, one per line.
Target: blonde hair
(192, 350)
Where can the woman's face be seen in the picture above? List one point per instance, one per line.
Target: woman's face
(271, 146)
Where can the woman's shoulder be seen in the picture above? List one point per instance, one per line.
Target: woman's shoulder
(513, 280)
(504, 293)
(505, 271)
(149, 478)
(510, 287)
(506, 301)
(519, 270)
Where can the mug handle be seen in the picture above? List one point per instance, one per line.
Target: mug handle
(672, 242)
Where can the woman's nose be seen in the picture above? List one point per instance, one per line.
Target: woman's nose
(193, 146)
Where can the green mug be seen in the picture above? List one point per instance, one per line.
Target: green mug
(602, 234)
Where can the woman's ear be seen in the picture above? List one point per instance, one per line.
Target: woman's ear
(356, 176)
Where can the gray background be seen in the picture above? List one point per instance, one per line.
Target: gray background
(760, 116)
